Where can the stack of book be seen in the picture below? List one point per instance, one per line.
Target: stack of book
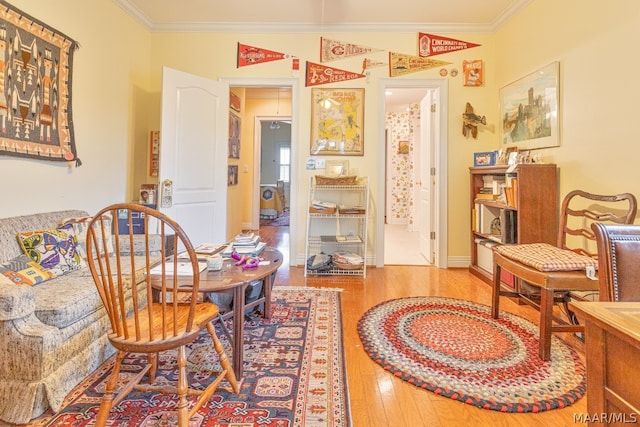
(492, 187)
(245, 244)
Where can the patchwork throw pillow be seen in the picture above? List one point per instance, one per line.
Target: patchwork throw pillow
(80, 226)
(55, 249)
(24, 271)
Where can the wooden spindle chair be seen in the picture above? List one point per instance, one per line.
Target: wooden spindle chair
(159, 317)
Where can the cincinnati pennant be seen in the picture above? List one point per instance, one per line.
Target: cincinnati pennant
(430, 45)
(318, 74)
(250, 55)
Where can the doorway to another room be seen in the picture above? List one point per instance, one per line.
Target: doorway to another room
(415, 174)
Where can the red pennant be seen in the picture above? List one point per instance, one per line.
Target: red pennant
(430, 45)
(250, 55)
(318, 74)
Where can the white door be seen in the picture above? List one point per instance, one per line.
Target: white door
(424, 179)
(193, 154)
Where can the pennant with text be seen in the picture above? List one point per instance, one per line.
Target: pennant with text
(430, 45)
(250, 55)
(370, 63)
(318, 74)
(331, 50)
(400, 64)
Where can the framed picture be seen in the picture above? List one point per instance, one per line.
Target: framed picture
(232, 175)
(335, 168)
(337, 117)
(234, 101)
(529, 110)
(403, 147)
(484, 158)
(234, 136)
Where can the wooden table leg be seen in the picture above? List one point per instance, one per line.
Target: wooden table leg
(238, 329)
(268, 284)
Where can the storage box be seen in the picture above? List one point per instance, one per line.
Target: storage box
(137, 222)
(485, 254)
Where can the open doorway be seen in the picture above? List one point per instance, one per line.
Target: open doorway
(403, 140)
(420, 180)
(274, 144)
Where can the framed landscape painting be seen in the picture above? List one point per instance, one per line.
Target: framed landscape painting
(529, 110)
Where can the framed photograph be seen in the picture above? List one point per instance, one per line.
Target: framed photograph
(529, 110)
(232, 175)
(337, 117)
(234, 136)
(335, 168)
(484, 158)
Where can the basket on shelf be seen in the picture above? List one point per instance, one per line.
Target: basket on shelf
(336, 180)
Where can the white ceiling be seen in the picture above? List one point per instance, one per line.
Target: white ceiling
(463, 16)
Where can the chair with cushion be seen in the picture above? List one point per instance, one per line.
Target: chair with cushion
(547, 274)
(146, 326)
(618, 261)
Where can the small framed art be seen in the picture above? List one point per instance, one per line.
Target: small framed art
(484, 158)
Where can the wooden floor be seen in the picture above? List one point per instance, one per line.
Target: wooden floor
(377, 397)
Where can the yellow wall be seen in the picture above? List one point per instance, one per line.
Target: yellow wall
(596, 44)
(117, 81)
(110, 101)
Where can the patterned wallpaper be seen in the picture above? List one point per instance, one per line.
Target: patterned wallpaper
(401, 130)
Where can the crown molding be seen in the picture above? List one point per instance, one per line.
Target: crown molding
(287, 27)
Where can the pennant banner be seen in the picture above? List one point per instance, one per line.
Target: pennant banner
(250, 55)
(400, 64)
(370, 63)
(331, 50)
(318, 74)
(430, 45)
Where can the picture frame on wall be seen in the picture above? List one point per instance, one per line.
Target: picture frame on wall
(336, 168)
(337, 122)
(234, 136)
(529, 108)
(232, 175)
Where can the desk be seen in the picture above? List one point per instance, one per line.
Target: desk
(612, 346)
(271, 201)
(234, 279)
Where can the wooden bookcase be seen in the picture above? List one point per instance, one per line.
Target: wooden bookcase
(526, 207)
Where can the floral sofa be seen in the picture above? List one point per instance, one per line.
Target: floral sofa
(53, 327)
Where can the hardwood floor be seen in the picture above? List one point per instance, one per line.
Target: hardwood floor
(379, 399)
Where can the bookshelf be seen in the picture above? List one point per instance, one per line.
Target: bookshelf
(510, 205)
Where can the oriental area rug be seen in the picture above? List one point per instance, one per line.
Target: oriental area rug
(294, 374)
(455, 349)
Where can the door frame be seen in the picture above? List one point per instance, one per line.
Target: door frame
(439, 161)
(294, 84)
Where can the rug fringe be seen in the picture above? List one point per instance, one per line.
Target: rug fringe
(304, 288)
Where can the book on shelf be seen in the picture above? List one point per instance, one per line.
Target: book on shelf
(320, 204)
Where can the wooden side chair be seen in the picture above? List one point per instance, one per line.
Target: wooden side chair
(137, 323)
(618, 261)
(547, 274)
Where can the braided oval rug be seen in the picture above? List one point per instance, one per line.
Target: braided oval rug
(455, 349)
